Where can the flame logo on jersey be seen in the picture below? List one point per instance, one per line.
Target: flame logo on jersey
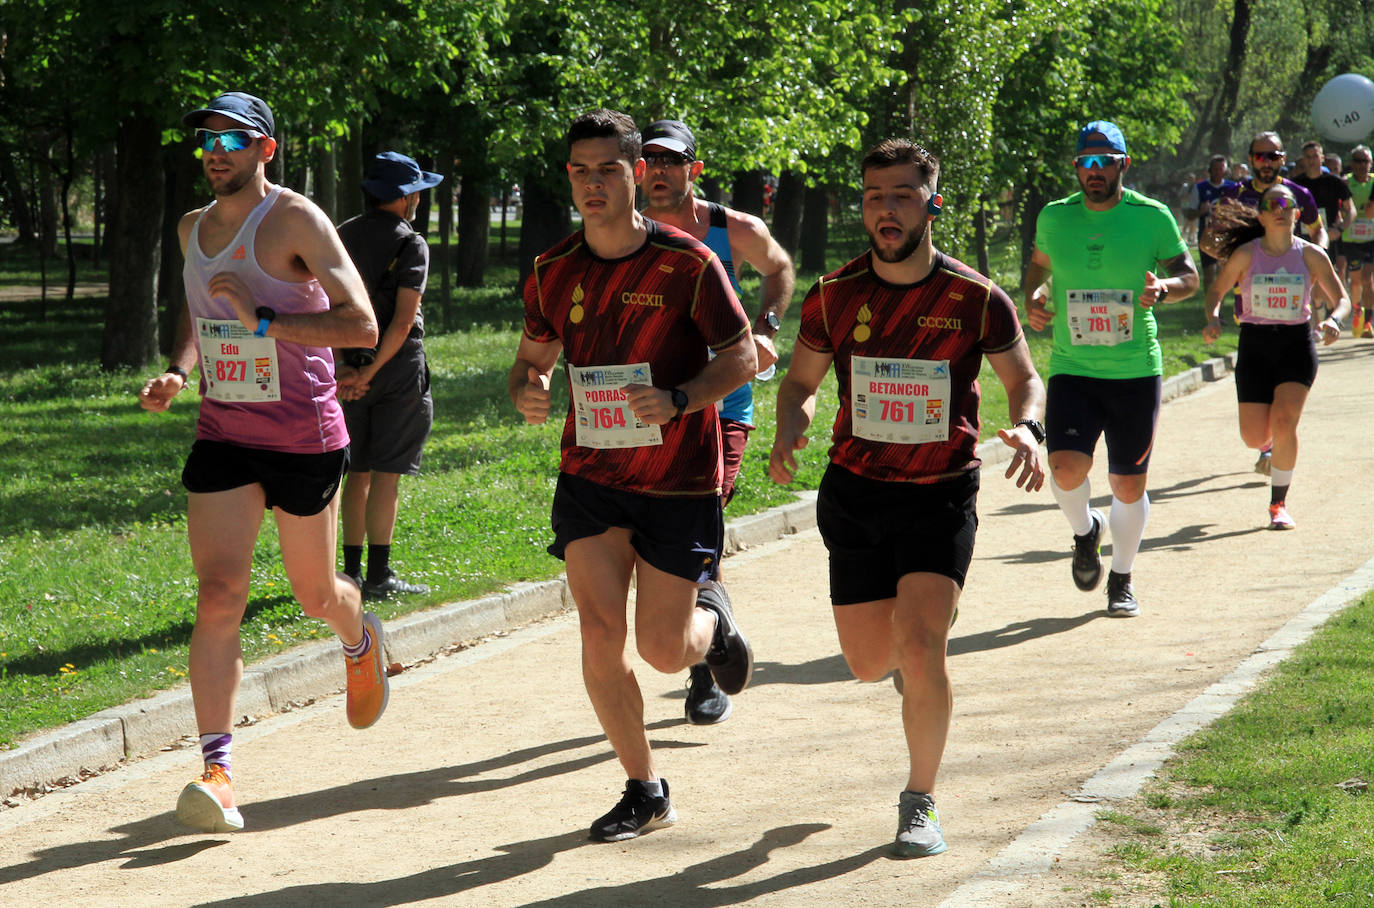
(577, 313)
(861, 331)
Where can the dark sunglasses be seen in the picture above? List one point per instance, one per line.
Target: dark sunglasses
(1279, 203)
(1268, 155)
(228, 139)
(1100, 161)
(666, 159)
(1359, 160)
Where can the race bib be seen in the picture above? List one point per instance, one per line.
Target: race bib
(1277, 296)
(903, 401)
(238, 366)
(1100, 318)
(604, 418)
(1362, 230)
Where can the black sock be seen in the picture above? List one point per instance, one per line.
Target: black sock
(353, 560)
(378, 562)
(1277, 494)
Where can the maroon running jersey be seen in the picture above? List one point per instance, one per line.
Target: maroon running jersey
(907, 361)
(664, 305)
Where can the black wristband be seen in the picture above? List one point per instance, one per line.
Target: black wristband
(177, 370)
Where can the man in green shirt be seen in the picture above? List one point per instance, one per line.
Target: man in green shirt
(1093, 275)
(1356, 249)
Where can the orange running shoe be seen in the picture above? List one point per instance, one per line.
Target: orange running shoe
(207, 804)
(1279, 519)
(368, 688)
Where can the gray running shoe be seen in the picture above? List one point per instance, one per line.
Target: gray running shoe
(637, 813)
(1087, 557)
(918, 826)
(1265, 465)
(707, 704)
(730, 656)
(1121, 601)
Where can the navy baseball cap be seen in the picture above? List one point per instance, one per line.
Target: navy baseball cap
(1107, 130)
(392, 175)
(672, 135)
(242, 108)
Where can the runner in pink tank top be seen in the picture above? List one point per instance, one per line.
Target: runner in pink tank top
(269, 291)
(1276, 362)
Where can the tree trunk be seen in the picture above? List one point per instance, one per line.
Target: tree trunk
(474, 230)
(181, 170)
(68, 171)
(424, 211)
(1224, 118)
(546, 221)
(19, 201)
(350, 201)
(787, 211)
(1032, 200)
(47, 197)
(712, 190)
(111, 184)
(445, 198)
(327, 181)
(814, 229)
(130, 337)
(747, 192)
(276, 168)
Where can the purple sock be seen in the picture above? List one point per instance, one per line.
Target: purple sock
(217, 748)
(356, 650)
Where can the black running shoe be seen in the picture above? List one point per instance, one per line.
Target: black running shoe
(1087, 558)
(391, 584)
(1121, 601)
(637, 813)
(730, 656)
(707, 704)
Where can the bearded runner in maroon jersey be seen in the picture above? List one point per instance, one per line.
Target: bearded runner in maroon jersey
(907, 329)
(633, 307)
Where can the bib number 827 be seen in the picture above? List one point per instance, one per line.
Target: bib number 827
(231, 370)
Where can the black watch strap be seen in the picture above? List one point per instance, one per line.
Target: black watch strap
(177, 370)
(680, 401)
(1037, 429)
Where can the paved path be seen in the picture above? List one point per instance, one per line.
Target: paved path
(477, 786)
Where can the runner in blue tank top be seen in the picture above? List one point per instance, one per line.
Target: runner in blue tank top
(670, 151)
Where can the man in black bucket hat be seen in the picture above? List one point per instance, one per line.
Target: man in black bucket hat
(385, 390)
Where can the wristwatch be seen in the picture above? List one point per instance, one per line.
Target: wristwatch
(1037, 429)
(1161, 293)
(772, 321)
(679, 400)
(265, 316)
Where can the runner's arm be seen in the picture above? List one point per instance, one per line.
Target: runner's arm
(1182, 278)
(1035, 288)
(1230, 274)
(528, 382)
(796, 409)
(749, 237)
(1319, 266)
(1025, 400)
(732, 366)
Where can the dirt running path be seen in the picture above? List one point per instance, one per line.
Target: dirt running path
(478, 785)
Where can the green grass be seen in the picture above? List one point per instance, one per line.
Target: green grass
(1249, 812)
(97, 596)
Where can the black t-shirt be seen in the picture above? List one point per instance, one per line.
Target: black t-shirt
(389, 255)
(1328, 189)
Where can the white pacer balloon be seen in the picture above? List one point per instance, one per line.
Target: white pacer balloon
(1344, 109)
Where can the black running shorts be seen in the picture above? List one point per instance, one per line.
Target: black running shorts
(300, 484)
(878, 531)
(1079, 410)
(1269, 355)
(682, 535)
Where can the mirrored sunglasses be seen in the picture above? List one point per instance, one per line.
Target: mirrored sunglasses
(1099, 161)
(228, 139)
(1268, 155)
(1279, 203)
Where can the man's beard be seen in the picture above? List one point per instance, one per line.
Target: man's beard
(913, 241)
(232, 183)
(1102, 195)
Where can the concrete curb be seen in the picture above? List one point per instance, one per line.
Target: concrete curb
(312, 671)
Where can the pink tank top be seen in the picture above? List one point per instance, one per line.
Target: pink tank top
(1276, 290)
(287, 400)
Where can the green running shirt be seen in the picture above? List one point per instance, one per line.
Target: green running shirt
(1098, 261)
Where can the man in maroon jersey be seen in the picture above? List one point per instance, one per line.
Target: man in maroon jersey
(634, 306)
(906, 328)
